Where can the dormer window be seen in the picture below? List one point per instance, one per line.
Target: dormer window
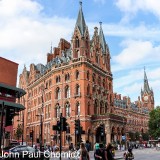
(77, 74)
(77, 42)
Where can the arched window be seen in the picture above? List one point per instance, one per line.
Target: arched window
(106, 108)
(96, 107)
(67, 92)
(68, 110)
(77, 89)
(67, 77)
(77, 42)
(99, 80)
(87, 75)
(58, 79)
(110, 86)
(94, 77)
(88, 108)
(101, 108)
(58, 93)
(104, 83)
(77, 74)
(88, 89)
(78, 108)
(57, 110)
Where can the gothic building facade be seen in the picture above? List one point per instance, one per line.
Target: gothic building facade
(77, 82)
(137, 113)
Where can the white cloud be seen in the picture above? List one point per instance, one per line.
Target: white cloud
(100, 1)
(26, 34)
(131, 7)
(136, 53)
(131, 82)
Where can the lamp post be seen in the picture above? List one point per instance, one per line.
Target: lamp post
(22, 126)
(41, 118)
(75, 127)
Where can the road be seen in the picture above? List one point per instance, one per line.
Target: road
(139, 154)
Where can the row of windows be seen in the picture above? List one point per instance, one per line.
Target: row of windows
(67, 92)
(40, 88)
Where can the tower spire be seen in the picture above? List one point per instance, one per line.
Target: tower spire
(80, 20)
(51, 48)
(146, 84)
(102, 38)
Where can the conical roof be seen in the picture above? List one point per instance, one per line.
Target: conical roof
(102, 38)
(146, 84)
(81, 21)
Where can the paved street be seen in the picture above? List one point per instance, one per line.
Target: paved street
(139, 154)
(144, 154)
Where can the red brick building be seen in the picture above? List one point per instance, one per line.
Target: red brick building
(8, 95)
(77, 82)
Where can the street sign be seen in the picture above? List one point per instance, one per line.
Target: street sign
(123, 137)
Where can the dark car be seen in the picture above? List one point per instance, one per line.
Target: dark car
(24, 153)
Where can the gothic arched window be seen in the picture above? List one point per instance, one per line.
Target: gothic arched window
(78, 109)
(77, 89)
(96, 107)
(68, 110)
(88, 89)
(57, 110)
(67, 92)
(77, 42)
(58, 93)
(67, 77)
(87, 75)
(77, 74)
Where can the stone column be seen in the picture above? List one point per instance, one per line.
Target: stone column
(108, 137)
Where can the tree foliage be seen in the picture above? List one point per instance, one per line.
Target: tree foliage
(154, 123)
(19, 132)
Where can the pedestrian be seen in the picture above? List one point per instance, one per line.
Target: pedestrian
(100, 153)
(110, 152)
(87, 145)
(84, 155)
(96, 146)
(71, 148)
(129, 155)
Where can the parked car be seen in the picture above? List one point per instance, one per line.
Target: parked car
(18, 152)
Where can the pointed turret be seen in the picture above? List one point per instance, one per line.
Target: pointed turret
(80, 21)
(102, 39)
(146, 84)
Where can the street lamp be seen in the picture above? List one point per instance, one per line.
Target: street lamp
(22, 126)
(41, 131)
(75, 127)
(41, 120)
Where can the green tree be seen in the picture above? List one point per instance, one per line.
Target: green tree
(145, 136)
(137, 136)
(154, 123)
(19, 132)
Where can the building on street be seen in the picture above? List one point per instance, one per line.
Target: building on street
(76, 81)
(9, 95)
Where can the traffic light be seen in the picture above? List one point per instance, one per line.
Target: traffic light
(77, 126)
(64, 124)
(102, 130)
(31, 134)
(58, 126)
(9, 116)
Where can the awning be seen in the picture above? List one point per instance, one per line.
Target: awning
(18, 106)
(18, 91)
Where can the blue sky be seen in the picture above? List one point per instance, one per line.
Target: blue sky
(131, 29)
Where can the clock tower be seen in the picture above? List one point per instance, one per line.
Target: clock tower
(147, 95)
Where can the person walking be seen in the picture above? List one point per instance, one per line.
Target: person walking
(84, 155)
(109, 152)
(88, 146)
(100, 154)
(129, 155)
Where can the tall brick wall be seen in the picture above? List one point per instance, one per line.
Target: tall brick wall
(8, 72)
